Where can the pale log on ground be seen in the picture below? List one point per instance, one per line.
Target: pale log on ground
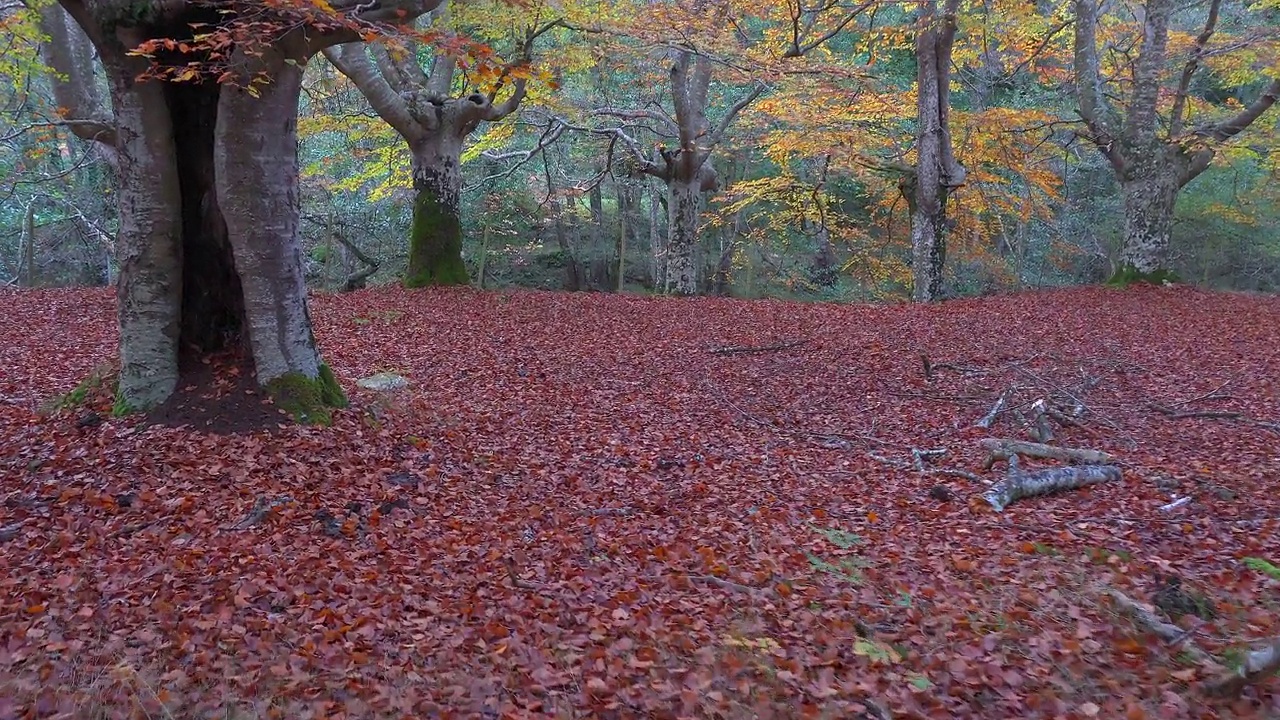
(1018, 486)
(1257, 664)
(1002, 449)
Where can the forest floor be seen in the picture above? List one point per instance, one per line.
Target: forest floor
(624, 507)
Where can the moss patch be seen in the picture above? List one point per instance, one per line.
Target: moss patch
(435, 245)
(90, 392)
(308, 400)
(1129, 275)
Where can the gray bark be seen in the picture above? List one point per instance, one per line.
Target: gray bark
(420, 108)
(1152, 166)
(1044, 482)
(69, 54)
(177, 288)
(937, 171)
(256, 164)
(149, 245)
(683, 203)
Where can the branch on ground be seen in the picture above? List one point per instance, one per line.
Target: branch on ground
(748, 349)
(262, 507)
(999, 449)
(1044, 482)
(1257, 664)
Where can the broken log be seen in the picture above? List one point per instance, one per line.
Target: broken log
(748, 349)
(1002, 449)
(1043, 482)
(1150, 622)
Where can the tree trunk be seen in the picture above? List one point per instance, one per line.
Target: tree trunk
(27, 256)
(435, 242)
(149, 286)
(937, 170)
(682, 237)
(255, 158)
(657, 248)
(1150, 191)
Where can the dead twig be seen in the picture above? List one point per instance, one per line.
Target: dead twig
(1211, 395)
(751, 349)
(518, 581)
(262, 507)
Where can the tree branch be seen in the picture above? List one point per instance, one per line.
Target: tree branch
(1193, 64)
(352, 61)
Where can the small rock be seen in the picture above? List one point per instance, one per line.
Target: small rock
(383, 382)
(88, 420)
(125, 499)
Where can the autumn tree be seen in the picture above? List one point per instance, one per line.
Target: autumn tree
(936, 172)
(434, 111)
(1165, 135)
(205, 101)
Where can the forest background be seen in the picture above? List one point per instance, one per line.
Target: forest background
(810, 120)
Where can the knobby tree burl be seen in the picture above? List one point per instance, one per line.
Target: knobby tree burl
(208, 187)
(1155, 155)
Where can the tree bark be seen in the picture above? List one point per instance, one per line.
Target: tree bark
(683, 200)
(1152, 166)
(435, 243)
(1149, 199)
(937, 171)
(255, 159)
(149, 284)
(420, 108)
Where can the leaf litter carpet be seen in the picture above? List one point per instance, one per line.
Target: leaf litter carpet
(622, 507)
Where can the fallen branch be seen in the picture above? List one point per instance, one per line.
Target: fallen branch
(1043, 482)
(1003, 449)
(748, 349)
(1258, 665)
(1168, 632)
(518, 581)
(262, 507)
(1211, 414)
(1042, 430)
(995, 410)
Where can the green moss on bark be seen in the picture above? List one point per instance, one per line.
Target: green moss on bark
(1129, 275)
(308, 400)
(435, 244)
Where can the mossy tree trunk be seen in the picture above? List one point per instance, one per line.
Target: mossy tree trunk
(420, 106)
(208, 206)
(435, 240)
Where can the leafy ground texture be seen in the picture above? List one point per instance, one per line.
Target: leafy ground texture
(623, 507)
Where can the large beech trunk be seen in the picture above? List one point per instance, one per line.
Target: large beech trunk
(208, 247)
(1150, 195)
(683, 200)
(255, 158)
(435, 242)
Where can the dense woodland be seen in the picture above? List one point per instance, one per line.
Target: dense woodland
(567, 123)
(297, 420)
